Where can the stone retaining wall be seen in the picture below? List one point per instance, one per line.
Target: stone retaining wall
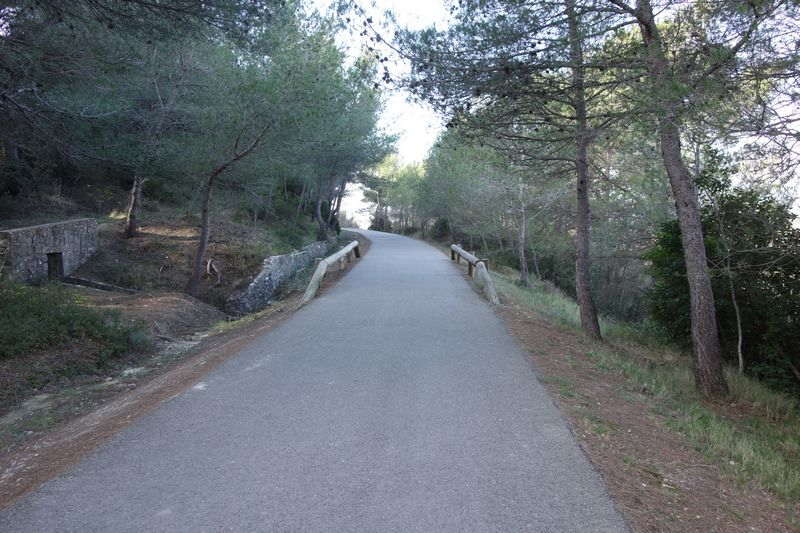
(276, 270)
(58, 249)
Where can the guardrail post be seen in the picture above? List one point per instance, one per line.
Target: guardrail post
(485, 280)
(341, 257)
(478, 270)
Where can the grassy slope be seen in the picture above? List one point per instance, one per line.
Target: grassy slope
(54, 339)
(159, 257)
(755, 433)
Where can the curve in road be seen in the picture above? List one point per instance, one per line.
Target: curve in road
(397, 401)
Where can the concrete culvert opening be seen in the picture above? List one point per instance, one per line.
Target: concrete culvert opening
(55, 265)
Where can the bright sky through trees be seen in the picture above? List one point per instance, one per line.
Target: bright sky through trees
(416, 125)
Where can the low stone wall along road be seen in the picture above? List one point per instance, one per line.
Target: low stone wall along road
(396, 401)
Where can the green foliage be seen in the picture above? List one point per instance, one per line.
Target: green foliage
(394, 188)
(35, 318)
(290, 236)
(161, 191)
(754, 255)
(380, 223)
(481, 192)
(670, 290)
(440, 229)
(173, 98)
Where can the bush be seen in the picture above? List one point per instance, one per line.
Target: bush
(380, 223)
(155, 189)
(754, 256)
(440, 230)
(291, 236)
(34, 318)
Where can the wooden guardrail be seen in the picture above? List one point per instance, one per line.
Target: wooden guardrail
(343, 256)
(478, 270)
(457, 252)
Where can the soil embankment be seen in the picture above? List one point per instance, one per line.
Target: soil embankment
(77, 419)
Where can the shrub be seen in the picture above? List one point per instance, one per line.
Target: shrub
(34, 318)
(440, 230)
(156, 189)
(289, 236)
(380, 222)
(754, 257)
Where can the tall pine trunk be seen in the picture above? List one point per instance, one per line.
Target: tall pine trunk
(339, 198)
(193, 287)
(301, 204)
(524, 276)
(708, 370)
(134, 207)
(322, 226)
(583, 265)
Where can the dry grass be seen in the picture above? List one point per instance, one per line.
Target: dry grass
(160, 257)
(754, 434)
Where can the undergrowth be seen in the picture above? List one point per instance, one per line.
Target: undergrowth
(35, 318)
(754, 434)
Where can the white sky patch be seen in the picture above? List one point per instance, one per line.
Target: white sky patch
(6, 14)
(416, 125)
(355, 207)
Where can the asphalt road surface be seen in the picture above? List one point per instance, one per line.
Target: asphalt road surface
(396, 401)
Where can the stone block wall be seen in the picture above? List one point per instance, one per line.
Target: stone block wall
(35, 252)
(276, 270)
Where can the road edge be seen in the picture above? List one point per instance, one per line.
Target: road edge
(25, 469)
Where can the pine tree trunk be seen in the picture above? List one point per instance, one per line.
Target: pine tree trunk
(322, 228)
(193, 287)
(134, 207)
(583, 265)
(524, 276)
(583, 290)
(738, 312)
(705, 335)
(302, 202)
(708, 370)
(331, 206)
(339, 198)
(535, 260)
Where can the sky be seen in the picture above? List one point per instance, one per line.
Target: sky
(415, 124)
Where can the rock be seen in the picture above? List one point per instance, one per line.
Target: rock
(276, 270)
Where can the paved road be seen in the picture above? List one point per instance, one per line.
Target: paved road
(397, 401)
